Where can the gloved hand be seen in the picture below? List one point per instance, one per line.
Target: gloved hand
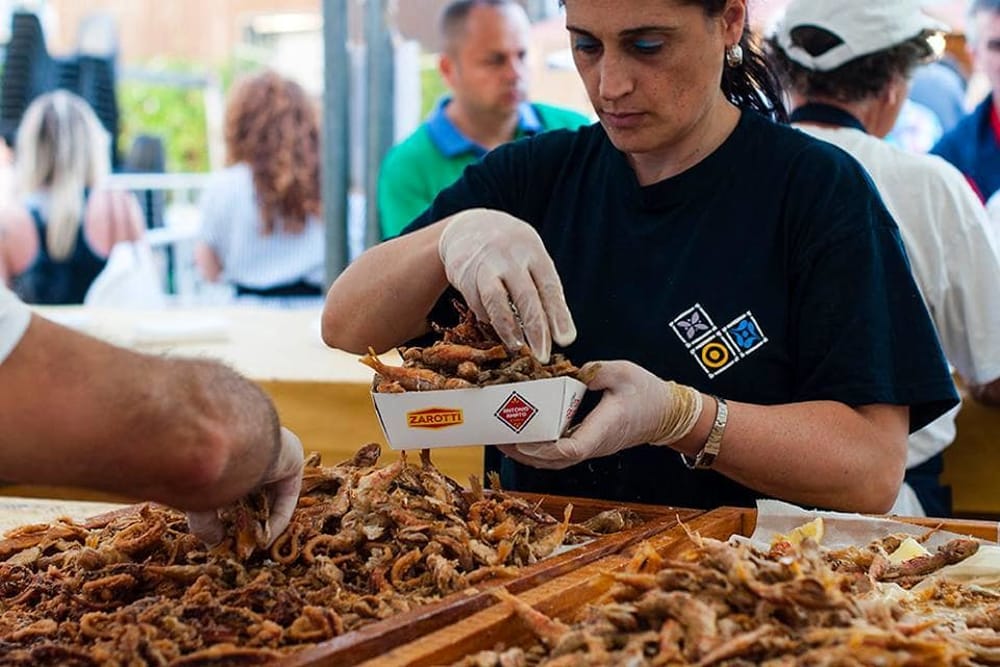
(496, 261)
(637, 407)
(282, 483)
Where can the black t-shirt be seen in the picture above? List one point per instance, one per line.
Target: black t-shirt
(768, 273)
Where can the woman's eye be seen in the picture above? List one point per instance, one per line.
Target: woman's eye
(647, 46)
(585, 45)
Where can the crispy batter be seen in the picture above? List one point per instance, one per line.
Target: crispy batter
(364, 544)
(797, 604)
(470, 354)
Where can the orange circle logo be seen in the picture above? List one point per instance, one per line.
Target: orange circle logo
(715, 355)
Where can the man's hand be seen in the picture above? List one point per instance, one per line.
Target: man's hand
(501, 267)
(281, 483)
(637, 407)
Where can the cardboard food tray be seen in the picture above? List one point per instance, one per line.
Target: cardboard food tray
(373, 640)
(563, 597)
(530, 411)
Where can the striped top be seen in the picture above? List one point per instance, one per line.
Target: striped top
(231, 227)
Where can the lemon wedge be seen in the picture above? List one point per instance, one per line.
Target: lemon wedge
(813, 529)
(908, 548)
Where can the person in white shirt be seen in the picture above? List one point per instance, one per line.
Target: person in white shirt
(993, 210)
(846, 64)
(191, 433)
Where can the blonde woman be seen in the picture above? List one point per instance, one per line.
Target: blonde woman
(56, 239)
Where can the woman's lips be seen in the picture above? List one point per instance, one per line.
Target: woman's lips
(621, 120)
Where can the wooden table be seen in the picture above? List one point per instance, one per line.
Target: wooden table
(322, 394)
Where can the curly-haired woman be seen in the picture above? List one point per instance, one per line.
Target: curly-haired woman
(261, 230)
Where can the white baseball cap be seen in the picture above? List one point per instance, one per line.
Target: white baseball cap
(863, 26)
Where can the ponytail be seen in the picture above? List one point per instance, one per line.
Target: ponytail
(753, 84)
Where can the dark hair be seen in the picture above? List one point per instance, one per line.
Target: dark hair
(856, 79)
(451, 25)
(752, 84)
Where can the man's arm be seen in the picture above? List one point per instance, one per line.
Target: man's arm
(77, 411)
(967, 312)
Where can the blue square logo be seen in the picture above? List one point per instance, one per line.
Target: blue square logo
(745, 334)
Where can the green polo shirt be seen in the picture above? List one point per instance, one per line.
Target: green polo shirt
(434, 156)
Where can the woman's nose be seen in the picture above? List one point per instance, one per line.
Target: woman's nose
(616, 81)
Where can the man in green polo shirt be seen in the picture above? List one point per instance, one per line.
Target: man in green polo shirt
(483, 63)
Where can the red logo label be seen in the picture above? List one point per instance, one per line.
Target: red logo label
(516, 412)
(434, 418)
(571, 410)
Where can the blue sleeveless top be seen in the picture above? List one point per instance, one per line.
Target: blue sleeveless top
(51, 282)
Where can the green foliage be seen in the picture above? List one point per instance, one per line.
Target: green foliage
(432, 86)
(174, 113)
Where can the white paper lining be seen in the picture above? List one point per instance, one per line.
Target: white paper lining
(840, 529)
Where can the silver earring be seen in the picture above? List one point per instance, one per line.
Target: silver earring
(734, 55)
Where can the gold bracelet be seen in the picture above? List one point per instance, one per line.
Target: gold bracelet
(677, 422)
(706, 457)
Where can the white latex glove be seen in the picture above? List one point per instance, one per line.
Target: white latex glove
(282, 482)
(496, 260)
(637, 407)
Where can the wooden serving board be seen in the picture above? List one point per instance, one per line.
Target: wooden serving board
(374, 640)
(564, 596)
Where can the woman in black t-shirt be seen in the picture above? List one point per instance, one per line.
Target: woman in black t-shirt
(746, 280)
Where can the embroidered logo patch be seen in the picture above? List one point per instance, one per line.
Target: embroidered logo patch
(713, 348)
(516, 412)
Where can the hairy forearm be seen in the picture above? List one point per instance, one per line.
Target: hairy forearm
(819, 453)
(77, 411)
(382, 299)
(228, 422)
